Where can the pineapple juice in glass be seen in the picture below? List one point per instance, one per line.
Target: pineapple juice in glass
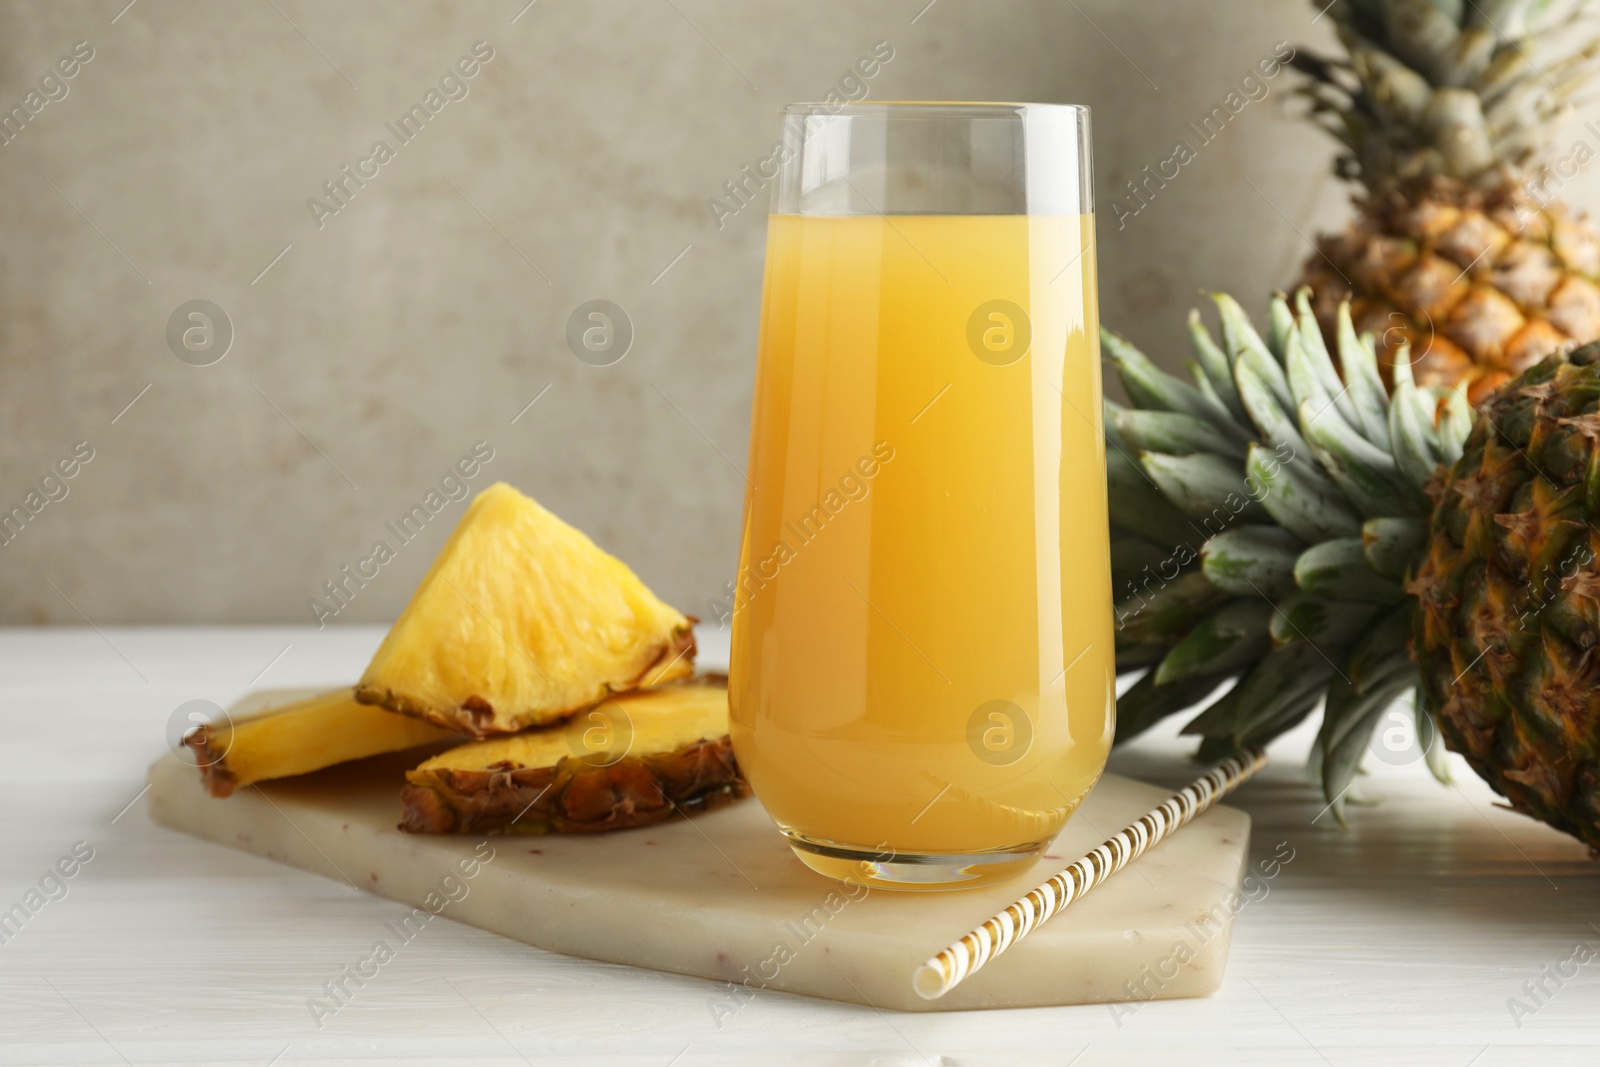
(922, 678)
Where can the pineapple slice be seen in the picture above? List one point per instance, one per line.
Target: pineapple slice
(301, 737)
(637, 759)
(522, 621)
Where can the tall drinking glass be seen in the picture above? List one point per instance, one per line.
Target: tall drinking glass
(922, 680)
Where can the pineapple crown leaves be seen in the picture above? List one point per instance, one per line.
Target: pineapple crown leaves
(1265, 514)
(1460, 89)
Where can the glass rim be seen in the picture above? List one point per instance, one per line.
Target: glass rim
(925, 108)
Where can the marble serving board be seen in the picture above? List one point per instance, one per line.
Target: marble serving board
(721, 896)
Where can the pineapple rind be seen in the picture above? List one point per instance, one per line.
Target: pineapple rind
(1460, 247)
(672, 756)
(1509, 596)
(1443, 267)
(575, 796)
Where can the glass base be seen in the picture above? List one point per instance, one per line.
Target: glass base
(884, 868)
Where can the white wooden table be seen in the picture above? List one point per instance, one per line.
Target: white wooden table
(1399, 941)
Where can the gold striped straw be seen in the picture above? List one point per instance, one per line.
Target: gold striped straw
(954, 964)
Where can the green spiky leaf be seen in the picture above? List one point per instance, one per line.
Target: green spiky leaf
(1231, 637)
(1153, 389)
(1214, 364)
(1306, 504)
(1160, 611)
(1339, 569)
(1146, 703)
(1171, 432)
(1326, 624)
(1279, 683)
(1242, 343)
(1136, 505)
(1209, 488)
(1252, 561)
(1391, 545)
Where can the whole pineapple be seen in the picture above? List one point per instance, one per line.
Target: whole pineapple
(1460, 246)
(1289, 524)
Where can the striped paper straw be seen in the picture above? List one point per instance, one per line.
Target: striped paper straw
(951, 967)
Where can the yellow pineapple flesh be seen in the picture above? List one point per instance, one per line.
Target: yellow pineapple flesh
(522, 621)
(301, 737)
(633, 760)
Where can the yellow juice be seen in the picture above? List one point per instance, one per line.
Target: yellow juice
(922, 649)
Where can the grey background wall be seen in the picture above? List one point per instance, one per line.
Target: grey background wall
(374, 346)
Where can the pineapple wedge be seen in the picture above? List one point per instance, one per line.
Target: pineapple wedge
(522, 621)
(301, 737)
(637, 759)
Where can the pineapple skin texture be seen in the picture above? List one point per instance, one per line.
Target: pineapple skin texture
(1446, 120)
(575, 796)
(522, 621)
(1481, 285)
(1508, 596)
(676, 758)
